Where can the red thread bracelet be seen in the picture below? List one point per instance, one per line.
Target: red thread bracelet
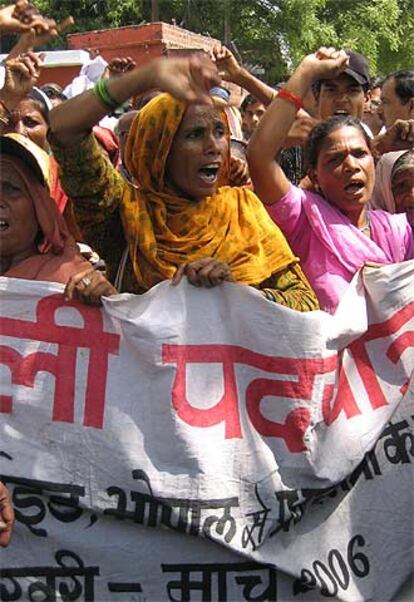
(296, 100)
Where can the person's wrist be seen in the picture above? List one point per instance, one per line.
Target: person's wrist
(239, 75)
(126, 85)
(148, 76)
(9, 101)
(306, 74)
(299, 83)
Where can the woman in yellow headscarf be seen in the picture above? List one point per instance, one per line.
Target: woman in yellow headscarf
(178, 220)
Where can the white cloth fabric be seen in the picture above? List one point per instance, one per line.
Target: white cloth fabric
(367, 129)
(194, 444)
(89, 75)
(382, 196)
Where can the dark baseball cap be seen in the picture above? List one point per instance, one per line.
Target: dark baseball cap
(358, 68)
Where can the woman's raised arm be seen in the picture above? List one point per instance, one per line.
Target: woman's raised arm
(189, 79)
(270, 182)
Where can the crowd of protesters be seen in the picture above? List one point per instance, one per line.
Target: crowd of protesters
(134, 175)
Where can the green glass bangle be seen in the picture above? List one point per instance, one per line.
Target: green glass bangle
(107, 96)
(102, 93)
(97, 90)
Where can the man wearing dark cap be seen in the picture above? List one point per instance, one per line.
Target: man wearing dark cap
(347, 93)
(342, 95)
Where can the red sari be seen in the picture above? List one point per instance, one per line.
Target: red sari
(58, 257)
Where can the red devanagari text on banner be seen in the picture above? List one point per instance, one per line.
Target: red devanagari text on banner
(62, 365)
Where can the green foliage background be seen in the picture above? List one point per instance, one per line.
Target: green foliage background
(274, 34)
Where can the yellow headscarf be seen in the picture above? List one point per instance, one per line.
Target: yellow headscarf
(164, 231)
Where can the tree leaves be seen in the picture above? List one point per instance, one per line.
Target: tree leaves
(274, 34)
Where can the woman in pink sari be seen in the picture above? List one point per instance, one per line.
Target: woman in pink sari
(332, 229)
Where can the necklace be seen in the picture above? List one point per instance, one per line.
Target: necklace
(367, 225)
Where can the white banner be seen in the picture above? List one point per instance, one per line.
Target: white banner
(207, 445)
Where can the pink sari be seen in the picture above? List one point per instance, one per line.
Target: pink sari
(330, 248)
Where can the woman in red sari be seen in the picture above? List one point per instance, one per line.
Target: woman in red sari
(35, 243)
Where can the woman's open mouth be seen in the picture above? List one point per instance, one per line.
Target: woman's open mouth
(209, 173)
(4, 225)
(355, 187)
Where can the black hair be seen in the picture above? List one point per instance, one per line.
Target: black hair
(39, 103)
(249, 100)
(404, 84)
(376, 82)
(322, 130)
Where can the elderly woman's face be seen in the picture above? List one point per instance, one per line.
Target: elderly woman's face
(345, 170)
(28, 121)
(197, 154)
(18, 223)
(403, 191)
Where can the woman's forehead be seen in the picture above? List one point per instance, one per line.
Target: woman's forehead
(27, 106)
(344, 135)
(9, 172)
(7, 169)
(200, 114)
